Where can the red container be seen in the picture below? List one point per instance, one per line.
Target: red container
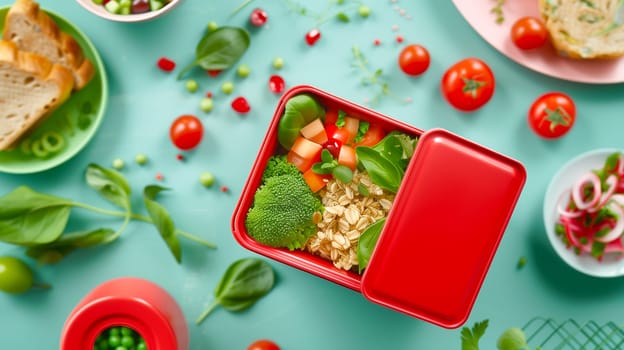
(129, 302)
(441, 234)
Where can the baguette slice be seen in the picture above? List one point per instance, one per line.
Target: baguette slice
(33, 30)
(30, 88)
(585, 29)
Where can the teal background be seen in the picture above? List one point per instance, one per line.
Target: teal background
(303, 311)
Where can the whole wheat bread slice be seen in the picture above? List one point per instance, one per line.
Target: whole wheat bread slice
(33, 30)
(30, 88)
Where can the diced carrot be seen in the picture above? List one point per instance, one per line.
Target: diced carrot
(306, 148)
(372, 137)
(315, 181)
(347, 157)
(351, 125)
(301, 163)
(315, 132)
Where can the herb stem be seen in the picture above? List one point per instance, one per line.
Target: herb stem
(195, 239)
(99, 210)
(240, 7)
(205, 314)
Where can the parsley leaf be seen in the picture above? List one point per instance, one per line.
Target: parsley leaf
(341, 119)
(470, 338)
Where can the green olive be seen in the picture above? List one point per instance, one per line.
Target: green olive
(15, 276)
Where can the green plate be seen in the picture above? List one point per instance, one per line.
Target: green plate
(76, 120)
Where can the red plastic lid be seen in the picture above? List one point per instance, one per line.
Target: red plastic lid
(443, 230)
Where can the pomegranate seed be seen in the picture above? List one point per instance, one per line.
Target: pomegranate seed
(241, 105)
(209, 94)
(140, 6)
(213, 73)
(159, 176)
(179, 156)
(166, 64)
(224, 189)
(376, 42)
(276, 84)
(399, 39)
(313, 36)
(258, 17)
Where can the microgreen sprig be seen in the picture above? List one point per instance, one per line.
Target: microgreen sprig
(370, 78)
(329, 165)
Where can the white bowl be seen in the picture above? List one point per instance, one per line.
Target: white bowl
(100, 11)
(560, 184)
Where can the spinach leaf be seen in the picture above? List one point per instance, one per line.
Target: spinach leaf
(110, 183)
(28, 217)
(367, 242)
(161, 219)
(54, 252)
(512, 339)
(219, 49)
(245, 281)
(382, 171)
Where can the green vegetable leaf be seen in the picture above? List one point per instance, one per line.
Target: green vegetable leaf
(244, 282)
(611, 162)
(54, 252)
(597, 249)
(470, 338)
(299, 111)
(343, 17)
(342, 173)
(326, 156)
(161, 220)
(29, 218)
(512, 339)
(219, 49)
(382, 172)
(111, 184)
(363, 190)
(340, 122)
(367, 242)
(362, 130)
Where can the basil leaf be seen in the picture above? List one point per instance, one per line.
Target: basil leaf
(28, 217)
(299, 111)
(382, 172)
(363, 190)
(392, 150)
(244, 282)
(161, 220)
(512, 339)
(326, 156)
(342, 173)
(54, 252)
(111, 184)
(367, 242)
(321, 169)
(219, 49)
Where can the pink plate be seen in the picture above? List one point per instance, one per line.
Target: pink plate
(543, 60)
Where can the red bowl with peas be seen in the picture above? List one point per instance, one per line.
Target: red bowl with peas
(407, 217)
(129, 10)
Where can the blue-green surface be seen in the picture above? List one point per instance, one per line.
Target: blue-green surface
(303, 311)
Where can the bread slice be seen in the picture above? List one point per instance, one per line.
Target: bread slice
(30, 88)
(585, 29)
(33, 30)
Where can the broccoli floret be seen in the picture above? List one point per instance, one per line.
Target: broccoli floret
(278, 165)
(283, 213)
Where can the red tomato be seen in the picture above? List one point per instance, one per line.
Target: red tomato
(552, 115)
(263, 344)
(330, 117)
(333, 146)
(414, 59)
(468, 84)
(337, 134)
(374, 134)
(529, 33)
(186, 132)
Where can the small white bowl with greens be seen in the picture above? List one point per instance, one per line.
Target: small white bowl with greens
(129, 10)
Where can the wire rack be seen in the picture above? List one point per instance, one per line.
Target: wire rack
(548, 334)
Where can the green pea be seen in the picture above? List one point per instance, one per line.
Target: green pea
(126, 331)
(140, 159)
(127, 341)
(141, 346)
(364, 11)
(206, 104)
(103, 344)
(114, 340)
(118, 163)
(243, 70)
(227, 87)
(212, 26)
(191, 85)
(206, 178)
(15, 276)
(121, 348)
(278, 63)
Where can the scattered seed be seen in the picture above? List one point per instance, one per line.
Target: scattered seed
(243, 71)
(364, 11)
(118, 163)
(224, 189)
(227, 87)
(140, 159)
(179, 156)
(376, 42)
(278, 63)
(191, 85)
(206, 179)
(212, 26)
(399, 39)
(206, 104)
(209, 94)
(159, 177)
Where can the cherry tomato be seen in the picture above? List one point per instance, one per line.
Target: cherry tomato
(15, 276)
(414, 59)
(529, 33)
(468, 84)
(372, 137)
(552, 115)
(186, 132)
(263, 344)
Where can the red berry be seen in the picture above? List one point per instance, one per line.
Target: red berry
(224, 189)
(159, 176)
(179, 156)
(376, 42)
(166, 64)
(313, 36)
(140, 6)
(209, 94)
(258, 17)
(399, 39)
(276, 84)
(213, 73)
(241, 105)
